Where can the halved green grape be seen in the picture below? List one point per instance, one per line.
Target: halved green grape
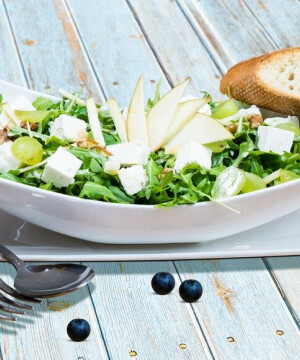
(229, 183)
(224, 109)
(35, 116)
(289, 127)
(253, 183)
(217, 147)
(28, 150)
(286, 175)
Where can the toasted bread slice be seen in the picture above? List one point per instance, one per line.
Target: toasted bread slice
(270, 81)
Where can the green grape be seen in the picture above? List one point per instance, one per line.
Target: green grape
(286, 175)
(289, 127)
(252, 183)
(229, 183)
(28, 150)
(217, 146)
(224, 109)
(35, 116)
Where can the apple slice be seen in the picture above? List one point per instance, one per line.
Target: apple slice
(161, 115)
(203, 129)
(184, 112)
(136, 118)
(94, 122)
(118, 120)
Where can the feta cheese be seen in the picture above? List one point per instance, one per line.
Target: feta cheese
(5, 120)
(7, 159)
(131, 153)
(133, 179)
(193, 152)
(275, 140)
(68, 128)
(112, 165)
(61, 168)
(281, 120)
(22, 103)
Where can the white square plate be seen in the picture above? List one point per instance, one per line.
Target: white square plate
(30, 242)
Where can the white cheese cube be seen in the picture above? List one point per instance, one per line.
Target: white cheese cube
(281, 120)
(22, 103)
(112, 165)
(275, 140)
(61, 168)
(131, 153)
(5, 120)
(133, 179)
(7, 159)
(193, 152)
(68, 128)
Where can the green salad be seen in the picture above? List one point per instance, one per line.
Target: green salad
(168, 151)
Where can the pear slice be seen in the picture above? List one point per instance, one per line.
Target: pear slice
(118, 120)
(161, 115)
(184, 112)
(94, 122)
(203, 129)
(35, 116)
(136, 118)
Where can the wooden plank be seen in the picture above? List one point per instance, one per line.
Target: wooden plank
(229, 30)
(41, 333)
(286, 274)
(134, 318)
(49, 48)
(280, 22)
(117, 48)
(242, 321)
(10, 66)
(182, 55)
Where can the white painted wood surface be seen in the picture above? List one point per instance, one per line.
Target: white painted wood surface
(108, 45)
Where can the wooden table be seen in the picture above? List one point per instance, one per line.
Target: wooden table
(250, 308)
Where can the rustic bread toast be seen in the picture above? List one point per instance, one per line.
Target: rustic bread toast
(270, 81)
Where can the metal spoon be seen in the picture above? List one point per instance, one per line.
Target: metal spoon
(47, 280)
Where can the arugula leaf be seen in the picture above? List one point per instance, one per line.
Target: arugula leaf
(41, 103)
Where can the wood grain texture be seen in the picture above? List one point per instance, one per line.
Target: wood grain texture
(51, 52)
(116, 47)
(41, 333)
(134, 318)
(10, 66)
(229, 30)
(176, 45)
(241, 302)
(280, 22)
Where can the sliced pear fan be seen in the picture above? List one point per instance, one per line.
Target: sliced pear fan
(183, 114)
(161, 115)
(203, 129)
(136, 118)
(118, 120)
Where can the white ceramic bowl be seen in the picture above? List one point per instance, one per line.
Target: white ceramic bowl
(141, 224)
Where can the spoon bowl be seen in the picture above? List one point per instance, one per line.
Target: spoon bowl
(52, 280)
(40, 281)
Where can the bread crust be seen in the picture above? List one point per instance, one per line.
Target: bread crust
(245, 85)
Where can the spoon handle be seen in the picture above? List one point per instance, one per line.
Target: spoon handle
(10, 256)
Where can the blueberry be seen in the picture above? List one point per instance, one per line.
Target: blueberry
(78, 330)
(163, 283)
(190, 290)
